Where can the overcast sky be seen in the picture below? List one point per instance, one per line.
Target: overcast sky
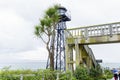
(18, 18)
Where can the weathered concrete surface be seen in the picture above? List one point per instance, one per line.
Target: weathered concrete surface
(94, 40)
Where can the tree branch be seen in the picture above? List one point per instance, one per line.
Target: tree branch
(43, 39)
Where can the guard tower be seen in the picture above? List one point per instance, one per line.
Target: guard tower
(59, 50)
(60, 63)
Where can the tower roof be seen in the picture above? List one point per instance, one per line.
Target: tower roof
(61, 7)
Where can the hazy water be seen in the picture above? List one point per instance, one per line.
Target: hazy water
(24, 65)
(110, 65)
(42, 65)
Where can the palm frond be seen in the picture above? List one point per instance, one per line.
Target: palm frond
(36, 32)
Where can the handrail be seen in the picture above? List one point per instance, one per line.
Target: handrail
(96, 30)
(93, 26)
(68, 33)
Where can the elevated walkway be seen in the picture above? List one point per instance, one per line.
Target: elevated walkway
(78, 39)
(96, 34)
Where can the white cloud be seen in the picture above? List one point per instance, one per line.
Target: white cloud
(16, 33)
(107, 52)
(37, 54)
(31, 55)
(18, 18)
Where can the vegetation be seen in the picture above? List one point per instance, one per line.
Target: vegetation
(47, 74)
(107, 74)
(81, 73)
(46, 31)
(96, 73)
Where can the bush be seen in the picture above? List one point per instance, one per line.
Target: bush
(95, 73)
(108, 73)
(81, 73)
(67, 76)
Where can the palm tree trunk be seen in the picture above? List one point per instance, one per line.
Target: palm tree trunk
(51, 61)
(52, 51)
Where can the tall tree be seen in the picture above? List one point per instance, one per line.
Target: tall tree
(46, 31)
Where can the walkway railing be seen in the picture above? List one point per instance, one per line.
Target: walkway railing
(96, 30)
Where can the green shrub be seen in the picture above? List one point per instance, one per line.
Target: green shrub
(108, 73)
(81, 73)
(95, 73)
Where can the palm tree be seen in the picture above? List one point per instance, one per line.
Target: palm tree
(46, 31)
